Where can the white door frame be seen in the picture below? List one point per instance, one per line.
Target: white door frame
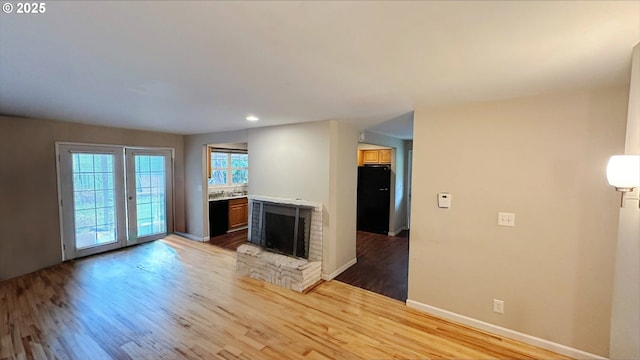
(66, 204)
(409, 175)
(132, 228)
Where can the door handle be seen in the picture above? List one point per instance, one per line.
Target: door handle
(383, 189)
(130, 197)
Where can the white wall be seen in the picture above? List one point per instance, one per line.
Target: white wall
(625, 316)
(542, 158)
(197, 207)
(398, 211)
(305, 161)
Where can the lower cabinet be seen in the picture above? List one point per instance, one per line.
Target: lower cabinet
(238, 213)
(227, 215)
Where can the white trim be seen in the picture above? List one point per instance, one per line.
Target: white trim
(137, 147)
(397, 231)
(498, 330)
(60, 218)
(192, 237)
(338, 271)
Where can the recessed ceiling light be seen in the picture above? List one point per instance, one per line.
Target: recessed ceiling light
(252, 118)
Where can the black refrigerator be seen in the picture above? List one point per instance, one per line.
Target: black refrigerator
(374, 183)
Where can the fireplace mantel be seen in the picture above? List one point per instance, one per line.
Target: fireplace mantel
(276, 200)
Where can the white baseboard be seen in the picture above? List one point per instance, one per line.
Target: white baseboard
(397, 231)
(192, 237)
(339, 271)
(498, 330)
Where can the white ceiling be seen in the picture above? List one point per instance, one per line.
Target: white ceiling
(203, 66)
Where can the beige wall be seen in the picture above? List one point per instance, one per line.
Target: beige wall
(290, 161)
(398, 210)
(343, 192)
(542, 158)
(28, 190)
(197, 208)
(625, 313)
(295, 161)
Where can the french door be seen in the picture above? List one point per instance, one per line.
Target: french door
(113, 196)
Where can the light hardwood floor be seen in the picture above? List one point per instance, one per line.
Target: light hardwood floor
(179, 299)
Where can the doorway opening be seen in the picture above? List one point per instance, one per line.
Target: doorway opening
(383, 209)
(382, 239)
(227, 169)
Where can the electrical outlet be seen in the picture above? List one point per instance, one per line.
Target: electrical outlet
(498, 306)
(506, 219)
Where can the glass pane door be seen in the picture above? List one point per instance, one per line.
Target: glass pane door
(94, 199)
(92, 190)
(112, 196)
(150, 194)
(148, 188)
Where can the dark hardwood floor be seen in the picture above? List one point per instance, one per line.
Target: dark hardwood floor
(230, 240)
(383, 264)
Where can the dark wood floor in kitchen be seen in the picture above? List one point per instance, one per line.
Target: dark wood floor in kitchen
(383, 264)
(382, 267)
(230, 240)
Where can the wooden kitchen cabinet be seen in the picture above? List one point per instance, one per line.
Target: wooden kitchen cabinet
(376, 156)
(238, 213)
(371, 156)
(385, 156)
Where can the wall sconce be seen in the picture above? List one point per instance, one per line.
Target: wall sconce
(623, 173)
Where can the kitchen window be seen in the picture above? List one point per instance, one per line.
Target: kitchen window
(228, 168)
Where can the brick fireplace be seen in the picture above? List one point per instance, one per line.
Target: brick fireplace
(285, 242)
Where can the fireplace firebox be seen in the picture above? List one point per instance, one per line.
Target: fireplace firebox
(281, 228)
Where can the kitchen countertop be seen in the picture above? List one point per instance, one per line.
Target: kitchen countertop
(227, 197)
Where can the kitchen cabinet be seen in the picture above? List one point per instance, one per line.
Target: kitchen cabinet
(371, 156)
(238, 213)
(382, 156)
(385, 156)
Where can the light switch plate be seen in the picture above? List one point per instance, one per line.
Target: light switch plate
(444, 200)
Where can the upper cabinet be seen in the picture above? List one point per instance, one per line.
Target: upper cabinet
(385, 156)
(382, 156)
(371, 156)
